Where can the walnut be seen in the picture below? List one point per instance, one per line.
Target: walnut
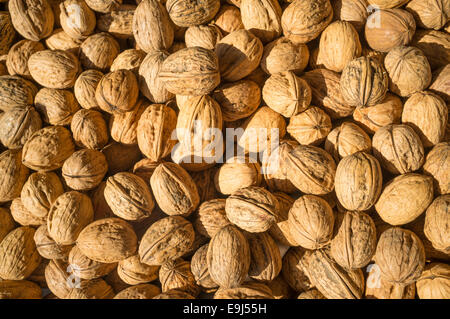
(437, 165)
(15, 92)
(437, 223)
(210, 217)
(228, 19)
(57, 107)
(104, 6)
(434, 283)
(19, 289)
(6, 223)
(85, 87)
(18, 55)
(59, 40)
(123, 126)
(142, 291)
(47, 247)
(130, 59)
(176, 274)
(98, 51)
(353, 11)
(310, 127)
(440, 84)
(435, 45)
(262, 18)
(133, 272)
(118, 22)
(250, 290)
(89, 129)
(430, 14)
(236, 173)
(200, 270)
(192, 12)
(13, 174)
(23, 216)
(295, 268)
(17, 126)
(86, 268)
(283, 54)
(205, 36)
(76, 18)
(7, 32)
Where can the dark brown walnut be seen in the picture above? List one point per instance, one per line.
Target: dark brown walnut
(85, 87)
(237, 172)
(437, 223)
(68, 216)
(311, 169)
(372, 118)
(84, 169)
(166, 239)
(205, 36)
(118, 22)
(437, 165)
(176, 274)
(265, 263)
(23, 216)
(129, 59)
(310, 127)
(7, 32)
(3, 70)
(33, 24)
(129, 196)
(104, 6)
(228, 19)
(427, 114)
(332, 280)
(142, 291)
(18, 55)
(192, 12)
(387, 29)
(174, 189)
(303, 21)
(364, 82)
(295, 269)
(86, 268)
(347, 139)
(59, 40)
(150, 84)
(15, 92)
(154, 131)
(13, 174)
(121, 157)
(19, 255)
(228, 257)
(239, 54)
(353, 11)
(250, 290)
(19, 289)
(434, 283)
(108, 240)
(133, 272)
(54, 69)
(400, 256)
(17, 125)
(56, 107)
(311, 221)
(355, 241)
(398, 149)
(440, 83)
(326, 92)
(430, 14)
(281, 231)
(47, 247)
(190, 71)
(210, 217)
(92, 289)
(177, 46)
(123, 126)
(435, 45)
(76, 18)
(252, 208)
(262, 18)
(117, 92)
(358, 181)
(237, 99)
(98, 51)
(89, 129)
(155, 31)
(199, 268)
(6, 222)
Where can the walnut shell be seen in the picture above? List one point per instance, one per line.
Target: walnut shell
(332, 280)
(89, 129)
(436, 226)
(19, 255)
(192, 12)
(311, 294)
(310, 127)
(435, 45)
(228, 19)
(98, 51)
(440, 84)
(86, 268)
(17, 125)
(33, 24)
(23, 216)
(326, 92)
(364, 82)
(154, 31)
(59, 40)
(150, 84)
(437, 165)
(205, 183)
(57, 107)
(154, 131)
(18, 55)
(200, 270)
(133, 272)
(166, 239)
(60, 71)
(92, 289)
(205, 36)
(400, 256)
(247, 291)
(6, 223)
(312, 169)
(142, 291)
(353, 11)
(47, 247)
(59, 279)
(434, 283)
(430, 14)
(121, 157)
(7, 32)
(303, 21)
(286, 93)
(236, 173)
(108, 240)
(76, 18)
(387, 4)
(13, 174)
(389, 28)
(104, 6)
(239, 54)
(295, 268)
(174, 294)
(85, 87)
(265, 261)
(15, 92)
(262, 18)
(398, 149)
(228, 257)
(118, 22)
(372, 118)
(210, 217)
(190, 71)
(123, 126)
(427, 114)
(176, 274)
(281, 231)
(117, 92)
(252, 208)
(19, 289)
(130, 59)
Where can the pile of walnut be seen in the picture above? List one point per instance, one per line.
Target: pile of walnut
(94, 205)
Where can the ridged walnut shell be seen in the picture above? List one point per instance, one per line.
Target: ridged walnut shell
(200, 270)
(118, 22)
(98, 51)
(104, 6)
(437, 165)
(123, 126)
(17, 125)
(398, 149)
(435, 45)
(205, 36)
(19, 255)
(210, 217)
(142, 291)
(13, 174)
(130, 59)
(265, 263)
(54, 69)
(176, 274)
(56, 107)
(84, 169)
(295, 268)
(15, 92)
(18, 55)
(7, 32)
(47, 247)
(85, 87)
(89, 129)
(434, 283)
(437, 223)
(86, 268)
(353, 11)
(92, 289)
(228, 19)
(239, 54)
(283, 54)
(108, 240)
(281, 231)
(19, 289)
(236, 173)
(310, 127)
(154, 31)
(76, 18)
(250, 290)
(400, 256)
(262, 18)
(59, 40)
(303, 21)
(167, 239)
(430, 14)
(441, 83)
(133, 272)
(23, 216)
(311, 294)
(228, 257)
(185, 13)
(59, 278)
